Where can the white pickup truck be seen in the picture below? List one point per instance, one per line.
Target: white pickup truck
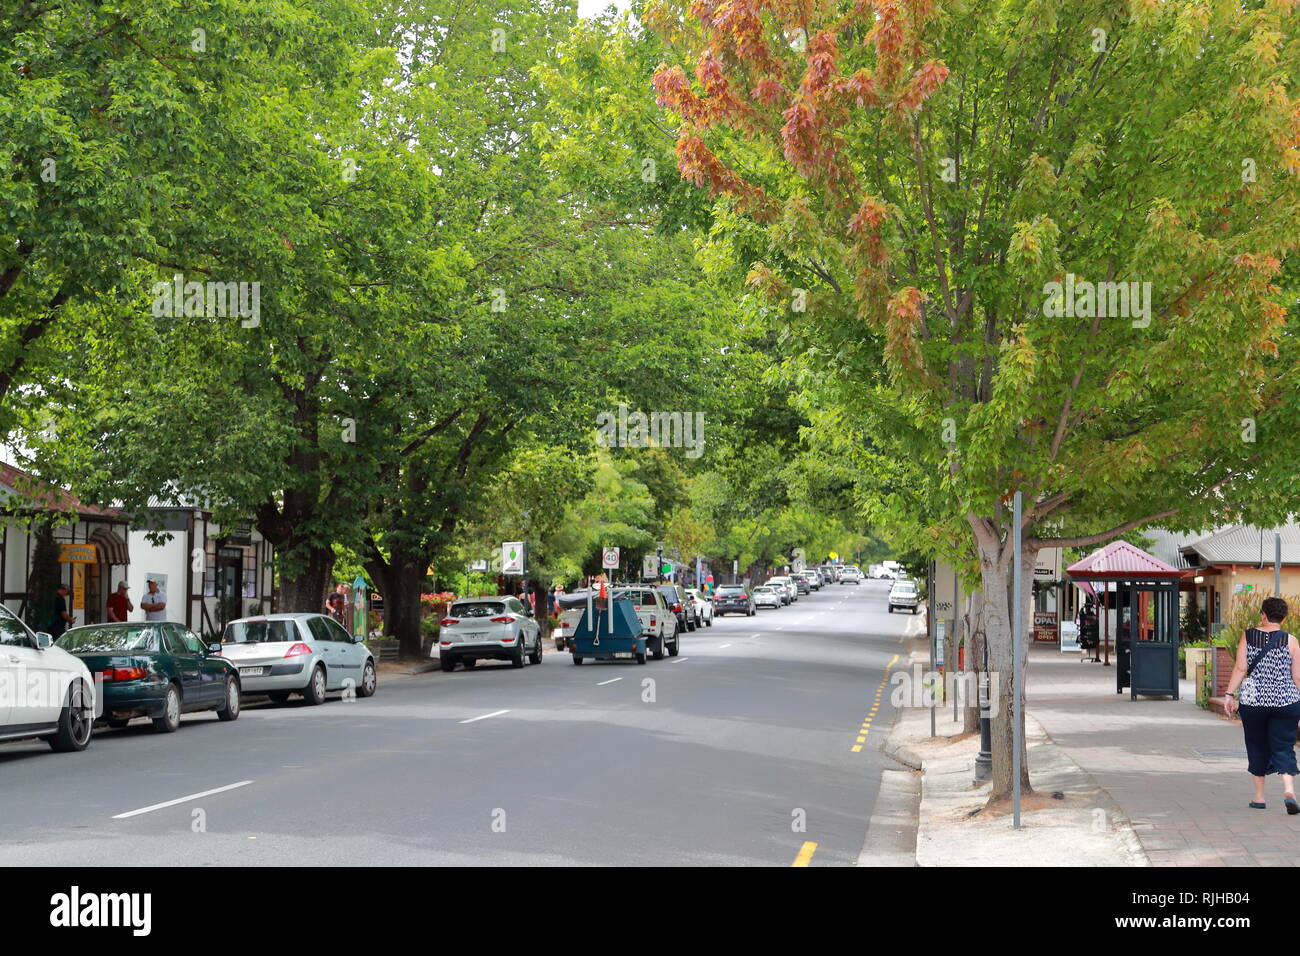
(657, 621)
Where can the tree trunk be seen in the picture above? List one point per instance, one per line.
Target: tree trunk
(304, 592)
(996, 557)
(400, 580)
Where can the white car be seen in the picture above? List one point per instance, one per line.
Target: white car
(904, 594)
(785, 584)
(851, 573)
(45, 692)
(307, 654)
(768, 595)
(701, 607)
(488, 628)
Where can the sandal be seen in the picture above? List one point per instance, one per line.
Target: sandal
(1257, 806)
(1292, 807)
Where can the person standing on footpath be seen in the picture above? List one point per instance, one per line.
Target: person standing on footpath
(1266, 678)
(119, 605)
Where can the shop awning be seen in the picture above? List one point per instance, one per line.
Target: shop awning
(1121, 561)
(111, 546)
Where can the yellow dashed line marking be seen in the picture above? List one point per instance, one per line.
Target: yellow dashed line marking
(866, 721)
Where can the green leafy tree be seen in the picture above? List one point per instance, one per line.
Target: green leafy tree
(934, 184)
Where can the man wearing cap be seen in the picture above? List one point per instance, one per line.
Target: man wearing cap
(119, 605)
(154, 603)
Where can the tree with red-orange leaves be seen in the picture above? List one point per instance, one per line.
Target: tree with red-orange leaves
(1045, 246)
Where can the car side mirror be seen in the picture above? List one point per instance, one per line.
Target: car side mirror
(358, 639)
(43, 640)
(214, 649)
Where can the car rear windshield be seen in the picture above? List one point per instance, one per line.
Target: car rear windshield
(260, 632)
(904, 587)
(764, 590)
(730, 590)
(108, 640)
(479, 609)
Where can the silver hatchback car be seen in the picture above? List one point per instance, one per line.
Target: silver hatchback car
(307, 654)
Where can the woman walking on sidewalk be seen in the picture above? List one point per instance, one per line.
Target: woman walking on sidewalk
(1267, 672)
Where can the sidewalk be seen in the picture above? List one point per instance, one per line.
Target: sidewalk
(1176, 771)
(1069, 821)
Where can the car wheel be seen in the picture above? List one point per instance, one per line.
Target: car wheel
(517, 659)
(658, 652)
(229, 709)
(469, 663)
(171, 715)
(675, 646)
(314, 692)
(369, 681)
(640, 658)
(891, 609)
(536, 656)
(76, 721)
(708, 621)
(577, 659)
(448, 663)
(278, 696)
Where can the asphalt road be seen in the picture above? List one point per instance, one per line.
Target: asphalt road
(748, 733)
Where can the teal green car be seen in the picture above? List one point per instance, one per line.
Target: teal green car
(154, 669)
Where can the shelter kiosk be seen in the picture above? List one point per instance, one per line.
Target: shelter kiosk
(1142, 591)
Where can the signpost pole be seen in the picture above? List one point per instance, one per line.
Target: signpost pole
(1277, 564)
(1017, 635)
(930, 626)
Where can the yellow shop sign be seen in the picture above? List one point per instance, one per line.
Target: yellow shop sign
(87, 553)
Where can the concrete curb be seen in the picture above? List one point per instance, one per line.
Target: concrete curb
(891, 832)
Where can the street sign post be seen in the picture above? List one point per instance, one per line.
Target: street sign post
(649, 567)
(609, 558)
(514, 558)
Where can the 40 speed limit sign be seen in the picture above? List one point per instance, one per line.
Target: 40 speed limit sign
(609, 558)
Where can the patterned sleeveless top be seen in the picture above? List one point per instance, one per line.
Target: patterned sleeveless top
(1270, 683)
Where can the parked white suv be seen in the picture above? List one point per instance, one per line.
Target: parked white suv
(488, 628)
(45, 692)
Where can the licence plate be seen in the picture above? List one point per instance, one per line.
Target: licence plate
(251, 671)
(623, 654)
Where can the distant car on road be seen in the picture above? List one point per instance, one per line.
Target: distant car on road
(307, 654)
(59, 707)
(811, 578)
(679, 604)
(733, 599)
(852, 574)
(785, 584)
(491, 628)
(904, 594)
(155, 669)
(768, 595)
(702, 607)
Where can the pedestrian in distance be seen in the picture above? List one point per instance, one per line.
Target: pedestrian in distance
(119, 605)
(1265, 689)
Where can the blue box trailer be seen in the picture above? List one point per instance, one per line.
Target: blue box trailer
(612, 633)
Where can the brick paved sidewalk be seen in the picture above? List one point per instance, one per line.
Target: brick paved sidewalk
(1177, 772)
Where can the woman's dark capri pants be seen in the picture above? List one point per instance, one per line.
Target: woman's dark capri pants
(1270, 738)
